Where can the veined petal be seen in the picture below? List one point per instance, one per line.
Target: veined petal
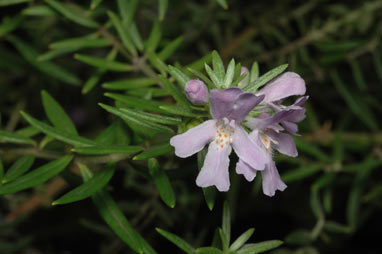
(248, 149)
(243, 168)
(286, 85)
(272, 180)
(244, 103)
(193, 140)
(222, 101)
(215, 168)
(286, 144)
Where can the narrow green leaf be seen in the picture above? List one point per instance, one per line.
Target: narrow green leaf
(87, 189)
(223, 239)
(39, 10)
(1, 170)
(253, 86)
(127, 10)
(114, 217)
(18, 168)
(152, 117)
(107, 136)
(301, 173)
(51, 54)
(94, 3)
(229, 75)
(157, 63)
(154, 151)
(12, 2)
(162, 183)
(56, 133)
(199, 64)
(223, 3)
(208, 250)
(78, 17)
(226, 222)
(182, 244)
(88, 41)
(28, 132)
(336, 227)
(299, 237)
(154, 37)
(203, 77)
(9, 24)
(127, 84)
(182, 111)
(107, 149)
(135, 36)
(9, 137)
(212, 76)
(311, 149)
(175, 92)
(259, 247)
(170, 48)
(179, 76)
(37, 176)
(55, 71)
(123, 34)
(56, 114)
(163, 4)
(104, 63)
(241, 240)
(139, 103)
(218, 66)
(148, 92)
(254, 72)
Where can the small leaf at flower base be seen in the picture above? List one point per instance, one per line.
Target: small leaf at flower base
(152, 117)
(181, 111)
(256, 84)
(226, 222)
(179, 75)
(154, 38)
(170, 48)
(56, 114)
(259, 247)
(163, 4)
(114, 217)
(107, 149)
(203, 77)
(162, 183)
(154, 151)
(241, 240)
(218, 66)
(182, 244)
(36, 176)
(18, 168)
(56, 133)
(299, 237)
(212, 76)
(127, 84)
(97, 182)
(175, 92)
(104, 63)
(78, 17)
(229, 75)
(10, 137)
(208, 250)
(254, 74)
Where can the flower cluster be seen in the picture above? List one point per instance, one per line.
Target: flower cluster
(252, 138)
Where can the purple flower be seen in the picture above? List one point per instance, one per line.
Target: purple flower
(197, 92)
(228, 108)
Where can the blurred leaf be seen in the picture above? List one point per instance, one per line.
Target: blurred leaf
(223, 3)
(182, 111)
(10, 137)
(22, 165)
(12, 2)
(358, 77)
(259, 247)
(152, 117)
(162, 183)
(87, 41)
(9, 24)
(57, 133)
(29, 131)
(253, 86)
(38, 10)
(94, 3)
(229, 75)
(241, 240)
(56, 114)
(1, 170)
(299, 237)
(126, 84)
(163, 4)
(127, 10)
(311, 149)
(55, 71)
(335, 227)
(218, 66)
(154, 151)
(78, 17)
(175, 92)
(301, 173)
(157, 63)
(135, 36)
(355, 104)
(203, 77)
(87, 189)
(114, 217)
(170, 48)
(37, 176)
(51, 54)
(107, 136)
(200, 63)
(154, 37)
(107, 149)
(104, 63)
(208, 250)
(182, 244)
(226, 222)
(179, 76)
(123, 34)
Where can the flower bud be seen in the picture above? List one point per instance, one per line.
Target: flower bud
(244, 82)
(197, 92)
